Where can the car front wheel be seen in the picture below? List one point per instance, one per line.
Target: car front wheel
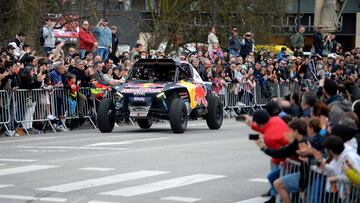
(178, 116)
(106, 117)
(214, 117)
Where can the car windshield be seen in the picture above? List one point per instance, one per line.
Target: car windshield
(152, 73)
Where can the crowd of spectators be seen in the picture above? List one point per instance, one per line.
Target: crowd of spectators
(328, 119)
(97, 62)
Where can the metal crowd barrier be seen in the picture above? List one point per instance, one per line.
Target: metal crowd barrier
(256, 97)
(31, 106)
(289, 167)
(238, 96)
(65, 107)
(5, 110)
(319, 190)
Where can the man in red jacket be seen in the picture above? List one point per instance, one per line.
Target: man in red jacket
(87, 41)
(274, 131)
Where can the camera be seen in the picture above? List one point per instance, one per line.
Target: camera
(240, 118)
(254, 136)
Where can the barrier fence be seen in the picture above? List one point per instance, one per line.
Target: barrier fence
(21, 108)
(319, 189)
(247, 97)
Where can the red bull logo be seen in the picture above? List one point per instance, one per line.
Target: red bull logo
(200, 94)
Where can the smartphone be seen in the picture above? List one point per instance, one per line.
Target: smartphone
(254, 136)
(240, 118)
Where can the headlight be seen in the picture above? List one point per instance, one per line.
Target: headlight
(118, 96)
(162, 94)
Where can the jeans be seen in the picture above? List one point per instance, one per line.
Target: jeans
(47, 50)
(273, 175)
(82, 53)
(234, 52)
(103, 53)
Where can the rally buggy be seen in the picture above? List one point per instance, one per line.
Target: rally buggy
(162, 89)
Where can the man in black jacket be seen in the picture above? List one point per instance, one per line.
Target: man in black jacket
(247, 45)
(115, 43)
(79, 72)
(318, 41)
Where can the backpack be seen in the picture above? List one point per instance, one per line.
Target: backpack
(41, 36)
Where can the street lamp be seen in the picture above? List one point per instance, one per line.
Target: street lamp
(298, 14)
(214, 13)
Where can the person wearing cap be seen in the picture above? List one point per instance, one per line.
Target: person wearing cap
(104, 38)
(234, 43)
(87, 41)
(18, 43)
(49, 36)
(247, 45)
(282, 54)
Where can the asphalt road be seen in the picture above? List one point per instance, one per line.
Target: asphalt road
(133, 165)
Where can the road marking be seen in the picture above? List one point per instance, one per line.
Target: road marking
(102, 181)
(181, 199)
(260, 180)
(29, 198)
(21, 140)
(66, 147)
(126, 142)
(5, 185)
(24, 169)
(162, 185)
(95, 201)
(254, 200)
(96, 169)
(18, 160)
(42, 150)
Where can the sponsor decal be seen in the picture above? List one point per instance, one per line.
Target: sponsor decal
(143, 90)
(145, 85)
(200, 94)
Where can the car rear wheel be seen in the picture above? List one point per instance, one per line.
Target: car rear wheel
(106, 117)
(215, 115)
(145, 123)
(178, 116)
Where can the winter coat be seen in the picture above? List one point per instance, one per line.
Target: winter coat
(49, 36)
(86, 40)
(274, 133)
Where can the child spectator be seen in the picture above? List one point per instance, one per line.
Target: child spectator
(74, 88)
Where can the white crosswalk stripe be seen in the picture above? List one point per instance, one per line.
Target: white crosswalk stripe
(24, 169)
(96, 169)
(18, 160)
(29, 198)
(102, 181)
(162, 185)
(6, 185)
(181, 199)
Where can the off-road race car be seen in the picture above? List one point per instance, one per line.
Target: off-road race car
(162, 89)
